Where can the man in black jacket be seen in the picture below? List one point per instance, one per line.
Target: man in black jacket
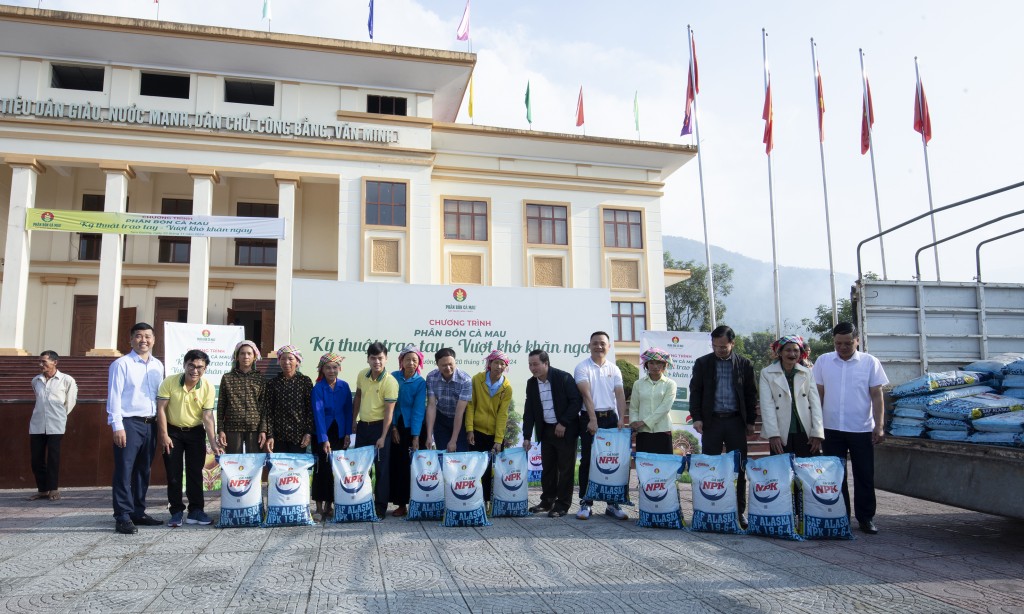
(552, 408)
(722, 403)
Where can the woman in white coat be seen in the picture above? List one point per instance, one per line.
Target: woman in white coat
(790, 406)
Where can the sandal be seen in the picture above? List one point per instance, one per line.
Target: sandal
(398, 513)
(38, 496)
(54, 495)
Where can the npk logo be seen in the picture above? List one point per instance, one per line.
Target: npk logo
(464, 488)
(239, 486)
(428, 481)
(352, 483)
(766, 492)
(827, 493)
(513, 480)
(288, 483)
(713, 490)
(655, 489)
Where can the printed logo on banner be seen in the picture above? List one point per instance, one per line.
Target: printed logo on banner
(46, 216)
(206, 332)
(459, 295)
(675, 339)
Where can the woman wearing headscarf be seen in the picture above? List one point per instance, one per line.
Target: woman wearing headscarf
(332, 420)
(487, 411)
(790, 406)
(407, 432)
(238, 405)
(650, 403)
(287, 421)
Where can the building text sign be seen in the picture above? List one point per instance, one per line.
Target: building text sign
(150, 224)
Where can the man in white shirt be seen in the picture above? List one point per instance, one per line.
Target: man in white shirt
(604, 401)
(56, 395)
(850, 386)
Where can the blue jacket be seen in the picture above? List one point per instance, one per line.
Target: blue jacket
(412, 401)
(332, 406)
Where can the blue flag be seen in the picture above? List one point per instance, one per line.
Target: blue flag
(369, 22)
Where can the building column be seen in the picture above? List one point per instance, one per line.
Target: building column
(16, 256)
(286, 187)
(108, 299)
(199, 258)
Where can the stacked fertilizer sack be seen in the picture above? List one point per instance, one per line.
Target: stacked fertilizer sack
(1006, 428)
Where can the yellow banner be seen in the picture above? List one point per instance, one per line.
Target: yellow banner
(148, 224)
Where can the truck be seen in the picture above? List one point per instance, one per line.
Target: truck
(914, 327)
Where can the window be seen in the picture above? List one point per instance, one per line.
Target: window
(622, 229)
(465, 220)
(385, 203)
(249, 92)
(89, 243)
(385, 105)
(164, 85)
(256, 252)
(72, 77)
(175, 250)
(630, 320)
(547, 224)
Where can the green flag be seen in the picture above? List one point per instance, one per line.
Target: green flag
(636, 111)
(529, 107)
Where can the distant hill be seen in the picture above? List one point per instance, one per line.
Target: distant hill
(750, 306)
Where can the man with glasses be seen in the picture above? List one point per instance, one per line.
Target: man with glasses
(184, 413)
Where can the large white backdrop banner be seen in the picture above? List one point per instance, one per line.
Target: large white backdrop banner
(216, 340)
(346, 317)
(684, 348)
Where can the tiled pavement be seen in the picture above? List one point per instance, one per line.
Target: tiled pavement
(64, 557)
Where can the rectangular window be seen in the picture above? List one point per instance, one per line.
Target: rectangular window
(547, 224)
(256, 252)
(75, 77)
(175, 250)
(630, 320)
(622, 229)
(465, 220)
(89, 243)
(385, 203)
(164, 85)
(386, 105)
(249, 92)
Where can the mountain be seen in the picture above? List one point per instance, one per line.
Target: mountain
(749, 307)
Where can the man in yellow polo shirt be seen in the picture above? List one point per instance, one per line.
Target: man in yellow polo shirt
(184, 410)
(373, 409)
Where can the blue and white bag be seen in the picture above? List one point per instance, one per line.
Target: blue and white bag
(241, 491)
(426, 488)
(659, 496)
(713, 478)
(353, 490)
(510, 496)
(771, 505)
(932, 381)
(463, 489)
(822, 507)
(1012, 422)
(924, 401)
(536, 465)
(975, 406)
(288, 490)
(609, 466)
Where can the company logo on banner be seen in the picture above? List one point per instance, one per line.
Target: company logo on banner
(217, 341)
(346, 317)
(684, 348)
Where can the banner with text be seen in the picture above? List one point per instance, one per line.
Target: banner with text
(684, 348)
(150, 224)
(217, 341)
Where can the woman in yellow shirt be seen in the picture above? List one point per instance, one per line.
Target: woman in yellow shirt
(650, 403)
(487, 411)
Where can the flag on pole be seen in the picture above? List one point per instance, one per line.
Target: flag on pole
(266, 9)
(462, 33)
(867, 120)
(922, 118)
(369, 22)
(579, 109)
(471, 98)
(529, 107)
(821, 105)
(692, 89)
(767, 115)
(636, 111)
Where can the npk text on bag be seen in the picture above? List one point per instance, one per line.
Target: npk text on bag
(510, 496)
(288, 490)
(713, 478)
(823, 509)
(426, 488)
(463, 490)
(353, 490)
(771, 509)
(659, 495)
(241, 495)
(536, 464)
(609, 466)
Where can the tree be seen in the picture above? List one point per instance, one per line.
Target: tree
(513, 426)
(686, 303)
(820, 326)
(757, 348)
(630, 373)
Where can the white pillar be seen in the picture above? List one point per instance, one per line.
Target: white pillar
(199, 258)
(285, 257)
(16, 257)
(108, 307)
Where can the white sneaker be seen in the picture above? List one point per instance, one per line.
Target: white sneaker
(616, 512)
(584, 513)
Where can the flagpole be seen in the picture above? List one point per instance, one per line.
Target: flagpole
(771, 190)
(820, 104)
(700, 175)
(871, 150)
(636, 113)
(927, 171)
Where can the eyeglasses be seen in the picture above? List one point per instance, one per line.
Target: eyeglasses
(195, 367)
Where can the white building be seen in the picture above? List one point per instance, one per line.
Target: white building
(353, 144)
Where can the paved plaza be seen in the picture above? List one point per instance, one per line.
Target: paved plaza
(65, 557)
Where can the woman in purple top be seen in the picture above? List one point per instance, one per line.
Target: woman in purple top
(407, 432)
(332, 419)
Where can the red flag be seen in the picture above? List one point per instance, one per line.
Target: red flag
(767, 116)
(821, 108)
(922, 118)
(867, 120)
(692, 89)
(579, 108)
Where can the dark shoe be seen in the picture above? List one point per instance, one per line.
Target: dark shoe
(868, 526)
(146, 520)
(556, 514)
(382, 513)
(125, 527)
(539, 509)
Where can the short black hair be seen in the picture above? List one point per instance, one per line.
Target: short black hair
(542, 355)
(141, 326)
(724, 331)
(50, 354)
(376, 348)
(845, 328)
(600, 332)
(197, 355)
(443, 353)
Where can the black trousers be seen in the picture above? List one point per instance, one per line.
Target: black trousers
(655, 443)
(288, 447)
(367, 434)
(401, 462)
(188, 454)
(558, 464)
(132, 465)
(485, 443)
(45, 450)
(729, 433)
(609, 421)
(862, 464)
(323, 476)
(799, 445)
(236, 439)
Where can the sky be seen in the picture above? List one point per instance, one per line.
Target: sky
(969, 55)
